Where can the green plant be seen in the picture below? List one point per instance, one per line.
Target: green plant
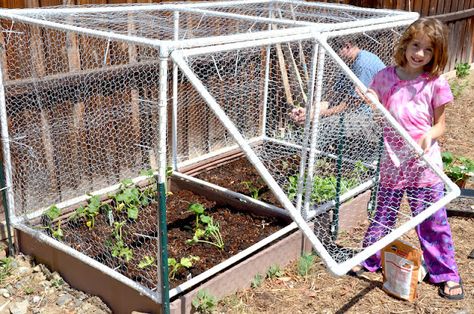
(90, 211)
(146, 262)
(204, 302)
(457, 87)
(305, 262)
(119, 248)
(206, 230)
(462, 69)
(184, 262)
(128, 198)
(274, 271)
(51, 214)
(324, 188)
(257, 281)
(254, 191)
(6, 267)
(457, 168)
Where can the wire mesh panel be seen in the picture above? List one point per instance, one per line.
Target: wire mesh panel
(293, 107)
(82, 117)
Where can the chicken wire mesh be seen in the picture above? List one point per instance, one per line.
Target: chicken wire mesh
(82, 95)
(83, 116)
(330, 158)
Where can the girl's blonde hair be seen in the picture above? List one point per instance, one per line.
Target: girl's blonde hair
(437, 32)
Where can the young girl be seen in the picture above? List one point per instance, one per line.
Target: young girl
(415, 95)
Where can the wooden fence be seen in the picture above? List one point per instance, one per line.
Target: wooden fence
(457, 14)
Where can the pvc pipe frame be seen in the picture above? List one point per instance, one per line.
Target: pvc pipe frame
(333, 266)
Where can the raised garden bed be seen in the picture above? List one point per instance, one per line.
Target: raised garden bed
(251, 231)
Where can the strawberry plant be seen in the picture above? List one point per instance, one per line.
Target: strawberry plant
(205, 230)
(184, 262)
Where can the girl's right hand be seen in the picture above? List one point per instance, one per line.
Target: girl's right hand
(298, 115)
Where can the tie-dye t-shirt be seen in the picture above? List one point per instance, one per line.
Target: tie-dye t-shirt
(412, 104)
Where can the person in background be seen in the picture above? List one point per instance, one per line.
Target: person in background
(416, 96)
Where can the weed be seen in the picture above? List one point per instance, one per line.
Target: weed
(274, 271)
(462, 69)
(257, 281)
(457, 87)
(6, 267)
(305, 262)
(204, 302)
(57, 282)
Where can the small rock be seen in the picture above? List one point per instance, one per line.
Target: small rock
(19, 307)
(45, 271)
(65, 298)
(22, 270)
(36, 299)
(37, 269)
(5, 293)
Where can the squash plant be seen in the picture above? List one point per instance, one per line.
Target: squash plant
(184, 262)
(206, 230)
(89, 212)
(49, 216)
(119, 248)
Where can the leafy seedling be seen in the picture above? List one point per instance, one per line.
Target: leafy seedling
(146, 262)
(51, 214)
(305, 263)
(254, 191)
(204, 302)
(206, 230)
(274, 271)
(457, 168)
(119, 248)
(257, 281)
(184, 262)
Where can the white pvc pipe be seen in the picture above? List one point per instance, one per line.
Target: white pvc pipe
(342, 7)
(7, 163)
(131, 8)
(81, 30)
(307, 127)
(155, 296)
(314, 133)
(266, 82)
(300, 34)
(174, 113)
(233, 195)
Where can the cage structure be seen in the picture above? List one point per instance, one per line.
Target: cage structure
(93, 96)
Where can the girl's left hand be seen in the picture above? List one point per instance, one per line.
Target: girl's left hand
(425, 142)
